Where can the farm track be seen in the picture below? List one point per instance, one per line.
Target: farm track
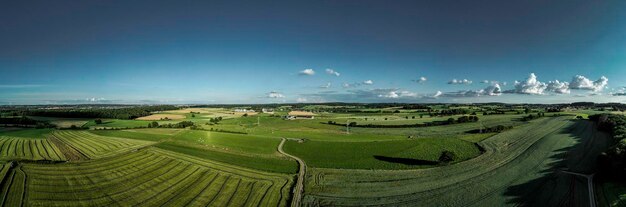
(483, 179)
(299, 187)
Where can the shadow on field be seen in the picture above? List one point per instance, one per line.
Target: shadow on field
(554, 187)
(406, 161)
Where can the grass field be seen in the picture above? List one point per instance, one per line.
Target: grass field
(405, 154)
(512, 171)
(150, 177)
(94, 146)
(14, 148)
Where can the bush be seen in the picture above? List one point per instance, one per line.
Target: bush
(447, 157)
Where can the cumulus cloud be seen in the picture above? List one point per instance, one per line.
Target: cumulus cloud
(529, 86)
(93, 99)
(420, 80)
(275, 94)
(579, 82)
(459, 82)
(327, 85)
(583, 83)
(332, 72)
(558, 87)
(368, 82)
(307, 72)
(398, 94)
(436, 94)
(492, 90)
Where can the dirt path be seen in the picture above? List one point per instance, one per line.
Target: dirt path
(299, 188)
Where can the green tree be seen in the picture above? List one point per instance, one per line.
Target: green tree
(98, 121)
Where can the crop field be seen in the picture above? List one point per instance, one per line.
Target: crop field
(151, 177)
(94, 146)
(511, 171)
(14, 148)
(162, 117)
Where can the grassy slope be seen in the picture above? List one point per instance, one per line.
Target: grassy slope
(151, 177)
(254, 162)
(513, 171)
(371, 155)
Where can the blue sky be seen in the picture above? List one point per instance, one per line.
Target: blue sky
(256, 52)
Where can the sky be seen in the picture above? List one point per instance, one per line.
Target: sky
(239, 52)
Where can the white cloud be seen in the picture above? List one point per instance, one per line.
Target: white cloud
(420, 80)
(307, 72)
(558, 87)
(300, 100)
(95, 99)
(398, 94)
(437, 94)
(332, 72)
(493, 90)
(458, 82)
(347, 85)
(529, 86)
(275, 94)
(368, 82)
(583, 83)
(327, 85)
(484, 81)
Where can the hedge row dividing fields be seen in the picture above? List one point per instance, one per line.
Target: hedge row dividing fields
(148, 177)
(95, 146)
(512, 158)
(14, 148)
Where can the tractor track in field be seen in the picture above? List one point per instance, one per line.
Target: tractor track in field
(299, 188)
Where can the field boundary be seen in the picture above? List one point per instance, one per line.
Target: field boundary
(299, 187)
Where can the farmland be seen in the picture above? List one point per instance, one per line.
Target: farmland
(149, 177)
(223, 158)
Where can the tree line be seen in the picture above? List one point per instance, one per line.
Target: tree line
(113, 113)
(612, 162)
(462, 119)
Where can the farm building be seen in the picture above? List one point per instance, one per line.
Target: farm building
(268, 111)
(243, 110)
(300, 115)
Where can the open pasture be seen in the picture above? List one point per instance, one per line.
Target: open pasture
(150, 177)
(14, 148)
(397, 154)
(512, 171)
(94, 146)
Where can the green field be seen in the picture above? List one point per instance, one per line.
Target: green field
(150, 177)
(403, 154)
(235, 162)
(14, 148)
(511, 171)
(94, 146)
